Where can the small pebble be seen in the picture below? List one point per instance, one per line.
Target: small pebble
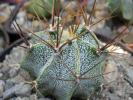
(9, 84)
(1, 74)
(20, 17)
(130, 98)
(113, 97)
(1, 98)
(44, 99)
(13, 72)
(22, 98)
(9, 93)
(5, 69)
(33, 97)
(2, 84)
(23, 89)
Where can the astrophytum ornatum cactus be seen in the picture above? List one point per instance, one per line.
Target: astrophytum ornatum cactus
(72, 70)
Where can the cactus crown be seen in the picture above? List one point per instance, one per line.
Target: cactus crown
(65, 66)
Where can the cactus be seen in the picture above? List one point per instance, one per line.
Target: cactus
(66, 66)
(72, 70)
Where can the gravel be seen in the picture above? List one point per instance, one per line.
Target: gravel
(20, 89)
(13, 79)
(23, 89)
(9, 93)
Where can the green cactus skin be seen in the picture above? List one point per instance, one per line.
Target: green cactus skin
(75, 71)
(36, 7)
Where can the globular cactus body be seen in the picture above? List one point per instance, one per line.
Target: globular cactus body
(74, 71)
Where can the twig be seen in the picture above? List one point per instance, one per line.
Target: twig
(7, 50)
(107, 39)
